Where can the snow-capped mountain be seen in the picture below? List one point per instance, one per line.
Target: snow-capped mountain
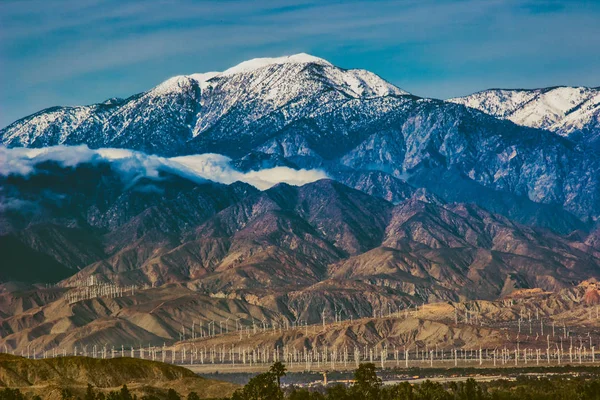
(301, 111)
(572, 112)
(183, 113)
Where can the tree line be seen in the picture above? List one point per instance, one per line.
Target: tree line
(92, 394)
(368, 386)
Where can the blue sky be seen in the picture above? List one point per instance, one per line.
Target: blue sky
(79, 52)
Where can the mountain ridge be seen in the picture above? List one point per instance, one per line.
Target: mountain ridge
(233, 238)
(572, 112)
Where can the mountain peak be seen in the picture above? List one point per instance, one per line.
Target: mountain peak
(243, 67)
(256, 63)
(173, 84)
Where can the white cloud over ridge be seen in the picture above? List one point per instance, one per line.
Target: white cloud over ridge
(134, 165)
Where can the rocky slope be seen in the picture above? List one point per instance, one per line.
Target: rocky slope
(152, 315)
(545, 317)
(447, 325)
(327, 238)
(236, 240)
(286, 254)
(60, 218)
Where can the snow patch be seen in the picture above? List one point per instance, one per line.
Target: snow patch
(256, 63)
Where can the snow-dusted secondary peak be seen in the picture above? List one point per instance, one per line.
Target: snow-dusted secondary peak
(568, 111)
(180, 83)
(256, 63)
(174, 84)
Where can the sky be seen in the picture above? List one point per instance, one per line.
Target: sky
(75, 52)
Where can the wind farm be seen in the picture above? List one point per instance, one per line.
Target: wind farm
(530, 328)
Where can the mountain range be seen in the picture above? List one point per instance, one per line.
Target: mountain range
(235, 240)
(198, 252)
(391, 200)
(302, 112)
(513, 164)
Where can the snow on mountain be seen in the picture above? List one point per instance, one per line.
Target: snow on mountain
(167, 117)
(204, 76)
(146, 121)
(572, 112)
(256, 63)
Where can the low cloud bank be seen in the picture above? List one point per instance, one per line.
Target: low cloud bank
(133, 165)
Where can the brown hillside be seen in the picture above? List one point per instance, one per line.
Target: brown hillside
(48, 376)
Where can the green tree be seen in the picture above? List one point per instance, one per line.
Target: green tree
(305, 394)
(401, 391)
(261, 387)
(172, 395)
(367, 385)
(337, 392)
(470, 390)
(125, 393)
(299, 394)
(89, 393)
(278, 369)
(11, 394)
(113, 395)
(432, 391)
(66, 394)
(193, 396)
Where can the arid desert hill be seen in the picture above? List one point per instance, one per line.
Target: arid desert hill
(49, 376)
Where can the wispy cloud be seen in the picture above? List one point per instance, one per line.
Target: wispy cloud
(133, 165)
